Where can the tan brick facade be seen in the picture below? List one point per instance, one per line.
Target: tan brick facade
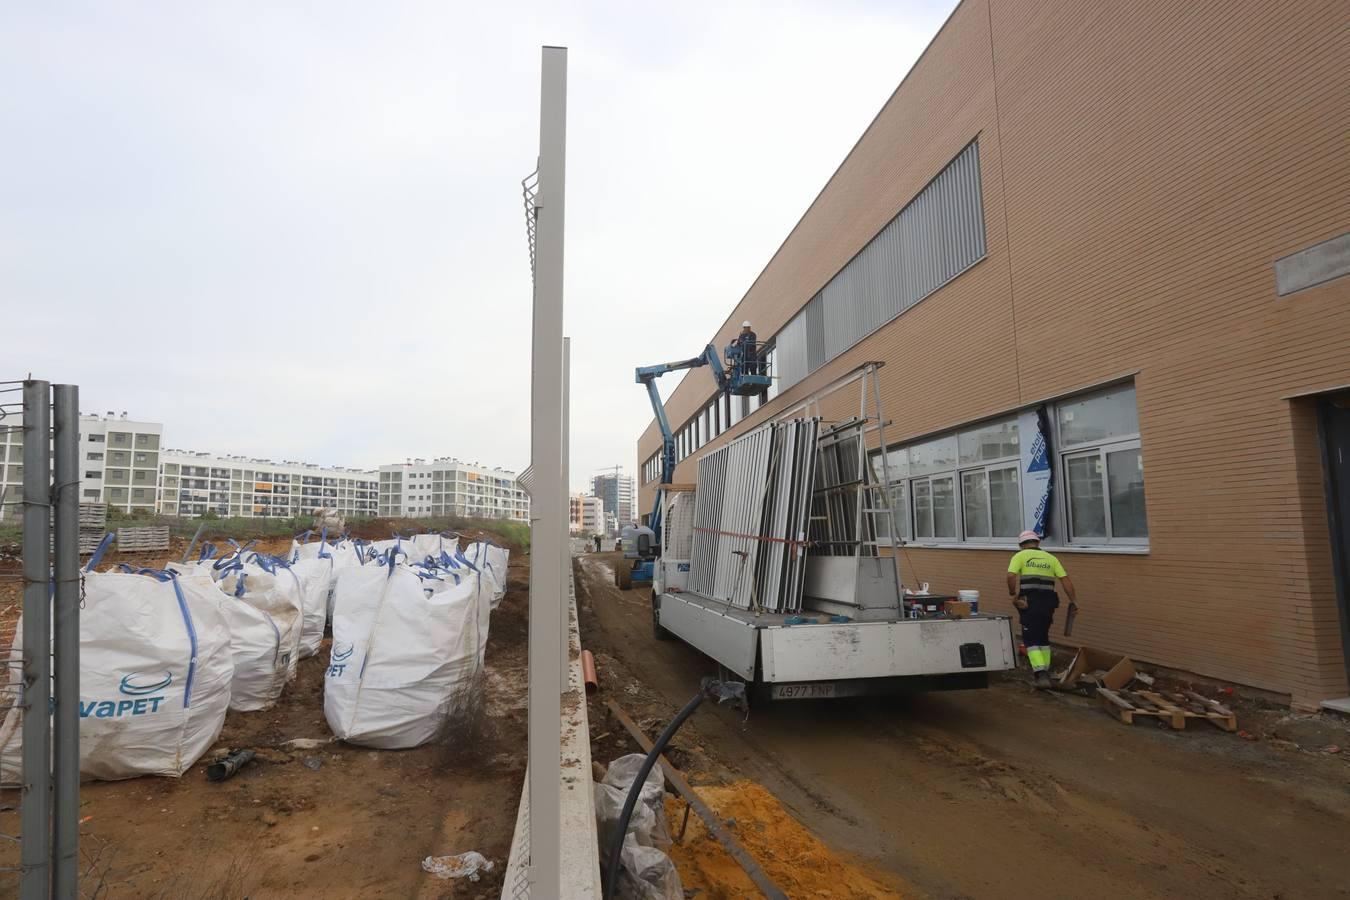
(1143, 166)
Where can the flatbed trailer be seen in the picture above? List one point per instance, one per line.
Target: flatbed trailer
(790, 527)
(824, 657)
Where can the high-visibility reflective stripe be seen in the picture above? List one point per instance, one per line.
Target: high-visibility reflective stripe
(1039, 657)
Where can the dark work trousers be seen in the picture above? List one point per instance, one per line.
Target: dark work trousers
(1037, 617)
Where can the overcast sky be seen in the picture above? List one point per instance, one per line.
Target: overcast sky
(296, 231)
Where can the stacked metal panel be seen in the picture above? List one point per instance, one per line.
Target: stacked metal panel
(751, 511)
(837, 527)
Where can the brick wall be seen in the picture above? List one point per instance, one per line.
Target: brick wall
(1143, 165)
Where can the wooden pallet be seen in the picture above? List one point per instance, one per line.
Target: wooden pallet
(88, 540)
(1169, 708)
(93, 516)
(140, 540)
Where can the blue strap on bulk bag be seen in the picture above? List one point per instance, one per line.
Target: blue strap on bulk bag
(102, 548)
(163, 575)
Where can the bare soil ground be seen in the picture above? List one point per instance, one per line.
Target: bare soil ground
(997, 793)
(337, 821)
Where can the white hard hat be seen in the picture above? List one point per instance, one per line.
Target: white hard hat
(745, 324)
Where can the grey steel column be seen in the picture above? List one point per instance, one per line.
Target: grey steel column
(66, 643)
(35, 807)
(546, 433)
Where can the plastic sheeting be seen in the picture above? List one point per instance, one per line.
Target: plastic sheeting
(155, 675)
(645, 871)
(407, 651)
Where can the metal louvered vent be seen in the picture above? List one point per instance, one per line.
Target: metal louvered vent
(937, 236)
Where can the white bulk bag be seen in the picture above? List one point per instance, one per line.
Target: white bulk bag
(344, 554)
(197, 568)
(314, 577)
(493, 561)
(277, 596)
(405, 656)
(303, 548)
(458, 569)
(155, 672)
(421, 546)
(203, 565)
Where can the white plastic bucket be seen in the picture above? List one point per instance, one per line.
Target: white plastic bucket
(971, 597)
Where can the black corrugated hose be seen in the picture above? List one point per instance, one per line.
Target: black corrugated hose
(710, 688)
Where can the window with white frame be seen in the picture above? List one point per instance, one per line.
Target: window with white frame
(1102, 468)
(991, 494)
(932, 488)
(965, 487)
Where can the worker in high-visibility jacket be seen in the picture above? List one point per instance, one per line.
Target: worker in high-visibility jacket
(1031, 583)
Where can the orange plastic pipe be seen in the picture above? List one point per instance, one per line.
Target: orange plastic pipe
(588, 672)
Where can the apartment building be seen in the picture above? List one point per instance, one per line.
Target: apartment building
(448, 487)
(586, 515)
(1105, 242)
(119, 457)
(193, 484)
(618, 492)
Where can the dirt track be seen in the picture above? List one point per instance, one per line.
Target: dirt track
(1009, 793)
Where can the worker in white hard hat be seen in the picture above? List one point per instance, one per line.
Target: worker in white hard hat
(1031, 583)
(749, 348)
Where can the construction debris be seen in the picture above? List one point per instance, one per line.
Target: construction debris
(1171, 708)
(1110, 675)
(1093, 668)
(462, 865)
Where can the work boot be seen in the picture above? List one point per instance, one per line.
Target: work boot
(1042, 680)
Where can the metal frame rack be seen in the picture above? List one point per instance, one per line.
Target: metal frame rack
(847, 499)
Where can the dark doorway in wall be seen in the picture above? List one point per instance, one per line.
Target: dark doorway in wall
(1333, 425)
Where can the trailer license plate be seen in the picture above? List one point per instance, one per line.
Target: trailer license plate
(809, 691)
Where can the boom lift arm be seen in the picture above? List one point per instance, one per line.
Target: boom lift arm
(737, 378)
